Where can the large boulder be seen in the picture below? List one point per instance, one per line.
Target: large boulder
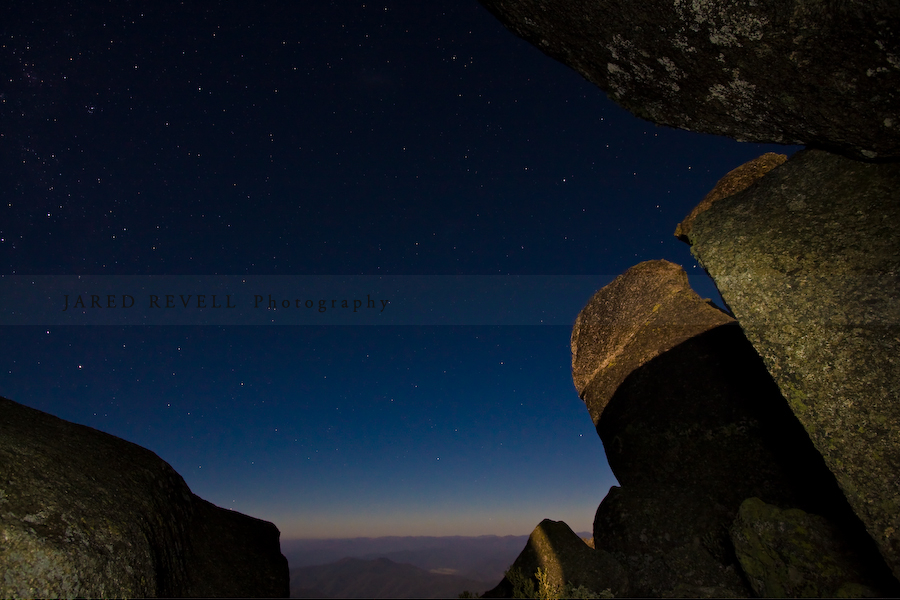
(808, 259)
(86, 514)
(648, 310)
(692, 425)
(804, 72)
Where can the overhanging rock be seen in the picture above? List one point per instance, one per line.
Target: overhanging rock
(804, 72)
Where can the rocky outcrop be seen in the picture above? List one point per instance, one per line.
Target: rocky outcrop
(804, 72)
(692, 425)
(83, 513)
(568, 563)
(808, 258)
(806, 254)
(793, 554)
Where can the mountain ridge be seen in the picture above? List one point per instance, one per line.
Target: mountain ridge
(352, 577)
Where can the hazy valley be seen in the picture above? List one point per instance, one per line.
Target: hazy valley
(398, 567)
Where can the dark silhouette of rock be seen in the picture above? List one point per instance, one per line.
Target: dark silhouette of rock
(809, 72)
(793, 554)
(809, 261)
(692, 425)
(567, 561)
(84, 513)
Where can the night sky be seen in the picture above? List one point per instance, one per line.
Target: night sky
(300, 139)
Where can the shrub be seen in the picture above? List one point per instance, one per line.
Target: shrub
(523, 587)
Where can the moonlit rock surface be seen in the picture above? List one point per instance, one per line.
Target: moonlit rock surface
(567, 560)
(642, 313)
(736, 180)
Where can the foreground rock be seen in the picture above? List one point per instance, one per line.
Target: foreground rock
(86, 514)
(692, 425)
(792, 72)
(793, 554)
(808, 259)
(568, 563)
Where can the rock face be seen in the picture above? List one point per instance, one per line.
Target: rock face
(692, 425)
(567, 561)
(735, 181)
(83, 513)
(793, 554)
(805, 72)
(808, 258)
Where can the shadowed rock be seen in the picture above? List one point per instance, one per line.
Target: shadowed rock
(84, 513)
(692, 426)
(808, 259)
(804, 72)
(793, 554)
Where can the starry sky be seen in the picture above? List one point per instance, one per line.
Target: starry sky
(299, 143)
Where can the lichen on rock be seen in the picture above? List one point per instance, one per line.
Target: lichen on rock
(808, 260)
(808, 72)
(789, 553)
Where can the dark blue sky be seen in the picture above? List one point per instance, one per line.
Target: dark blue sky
(341, 138)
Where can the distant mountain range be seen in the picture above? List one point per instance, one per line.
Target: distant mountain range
(399, 567)
(378, 578)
